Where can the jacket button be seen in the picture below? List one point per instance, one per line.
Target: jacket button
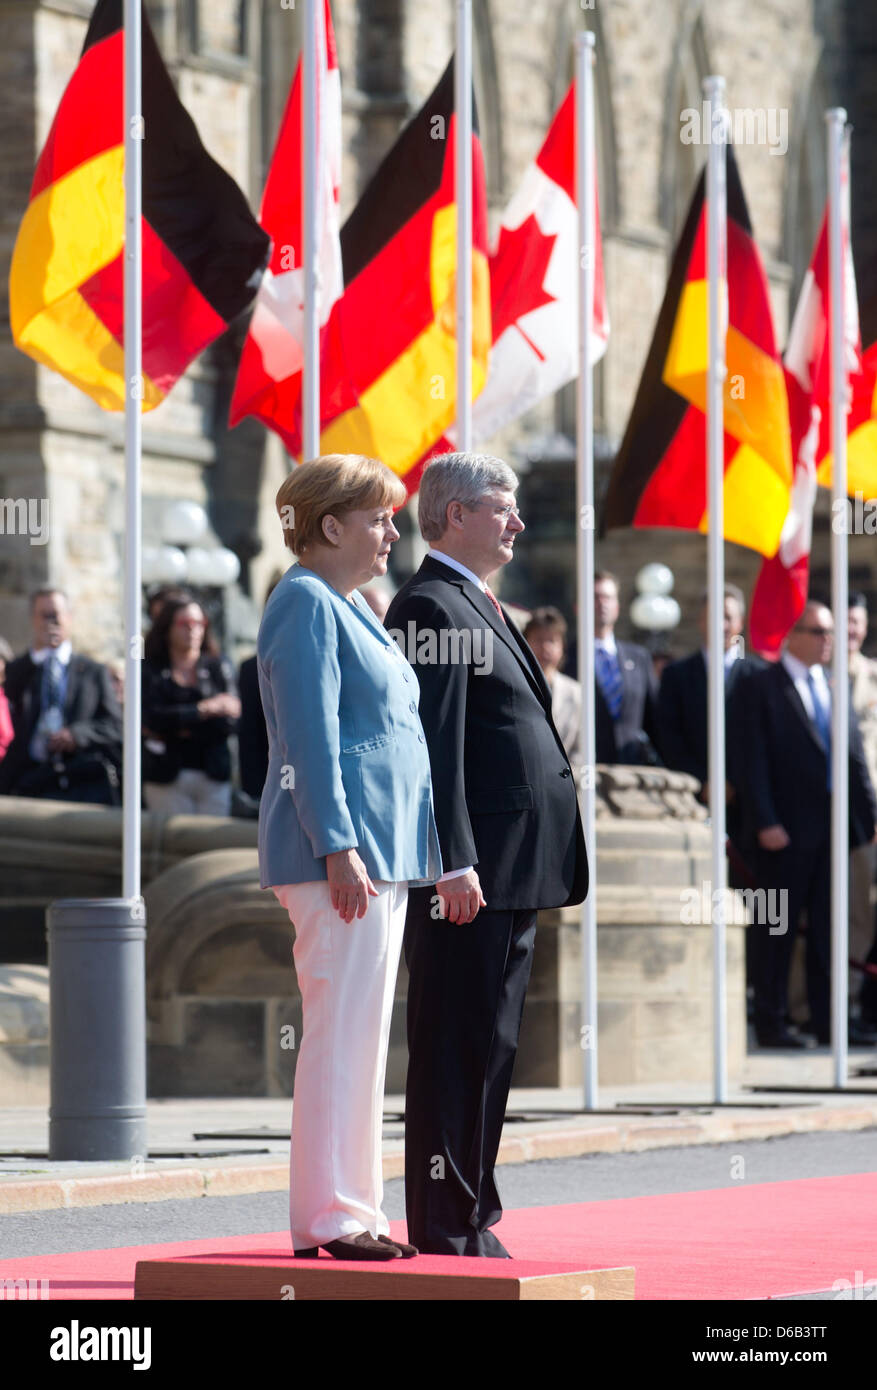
(420, 738)
(566, 772)
(412, 707)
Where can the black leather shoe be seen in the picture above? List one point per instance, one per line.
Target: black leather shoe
(782, 1038)
(857, 1036)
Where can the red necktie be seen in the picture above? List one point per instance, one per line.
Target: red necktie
(493, 600)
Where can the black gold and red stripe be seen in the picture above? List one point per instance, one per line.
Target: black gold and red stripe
(203, 251)
(659, 477)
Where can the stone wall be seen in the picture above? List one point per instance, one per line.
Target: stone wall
(223, 1007)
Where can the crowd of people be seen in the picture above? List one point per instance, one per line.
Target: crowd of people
(206, 751)
(778, 787)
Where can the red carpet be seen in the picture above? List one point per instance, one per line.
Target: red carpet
(731, 1243)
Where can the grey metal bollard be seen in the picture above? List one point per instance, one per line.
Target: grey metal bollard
(97, 1022)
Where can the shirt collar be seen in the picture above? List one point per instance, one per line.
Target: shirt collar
(63, 653)
(608, 644)
(730, 656)
(455, 565)
(798, 671)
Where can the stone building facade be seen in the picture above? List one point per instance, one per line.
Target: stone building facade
(233, 61)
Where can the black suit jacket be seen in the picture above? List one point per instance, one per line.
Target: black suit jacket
(91, 712)
(683, 722)
(252, 733)
(619, 740)
(503, 790)
(783, 775)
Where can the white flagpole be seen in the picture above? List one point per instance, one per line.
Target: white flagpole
(716, 194)
(840, 732)
(310, 234)
(584, 59)
(463, 168)
(133, 293)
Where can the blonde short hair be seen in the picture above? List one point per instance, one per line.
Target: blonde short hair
(330, 486)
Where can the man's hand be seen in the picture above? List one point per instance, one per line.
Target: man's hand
(773, 837)
(349, 883)
(61, 742)
(730, 794)
(461, 897)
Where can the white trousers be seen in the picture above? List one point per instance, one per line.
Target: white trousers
(191, 792)
(347, 976)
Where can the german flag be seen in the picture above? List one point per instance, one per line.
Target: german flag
(203, 251)
(660, 476)
(389, 358)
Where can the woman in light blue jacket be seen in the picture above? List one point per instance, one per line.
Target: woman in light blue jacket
(345, 824)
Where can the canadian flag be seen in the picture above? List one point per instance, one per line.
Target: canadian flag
(534, 285)
(269, 377)
(781, 588)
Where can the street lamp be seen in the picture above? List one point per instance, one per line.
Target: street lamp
(653, 609)
(179, 559)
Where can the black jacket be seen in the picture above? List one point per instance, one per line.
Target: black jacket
(783, 774)
(252, 733)
(504, 794)
(683, 715)
(170, 717)
(91, 713)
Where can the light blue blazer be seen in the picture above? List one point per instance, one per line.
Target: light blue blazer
(348, 765)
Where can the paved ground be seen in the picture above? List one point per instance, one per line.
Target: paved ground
(596, 1177)
(222, 1148)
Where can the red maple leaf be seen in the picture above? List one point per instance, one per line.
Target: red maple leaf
(517, 273)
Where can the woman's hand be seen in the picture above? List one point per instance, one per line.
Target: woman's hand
(349, 884)
(222, 704)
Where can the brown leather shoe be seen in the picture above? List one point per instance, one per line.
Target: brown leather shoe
(363, 1247)
(408, 1251)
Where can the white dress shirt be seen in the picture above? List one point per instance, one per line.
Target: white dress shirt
(455, 565)
(63, 653)
(730, 656)
(800, 674)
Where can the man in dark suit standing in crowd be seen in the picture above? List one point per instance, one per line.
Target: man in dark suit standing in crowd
(66, 717)
(511, 843)
(785, 790)
(625, 695)
(682, 700)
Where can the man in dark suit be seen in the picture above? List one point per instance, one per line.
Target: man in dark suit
(785, 790)
(625, 694)
(683, 724)
(511, 843)
(66, 717)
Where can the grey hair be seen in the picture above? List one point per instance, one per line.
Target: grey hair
(457, 478)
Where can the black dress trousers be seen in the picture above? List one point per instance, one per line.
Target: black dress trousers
(465, 1001)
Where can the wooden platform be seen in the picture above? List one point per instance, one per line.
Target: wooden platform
(281, 1277)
